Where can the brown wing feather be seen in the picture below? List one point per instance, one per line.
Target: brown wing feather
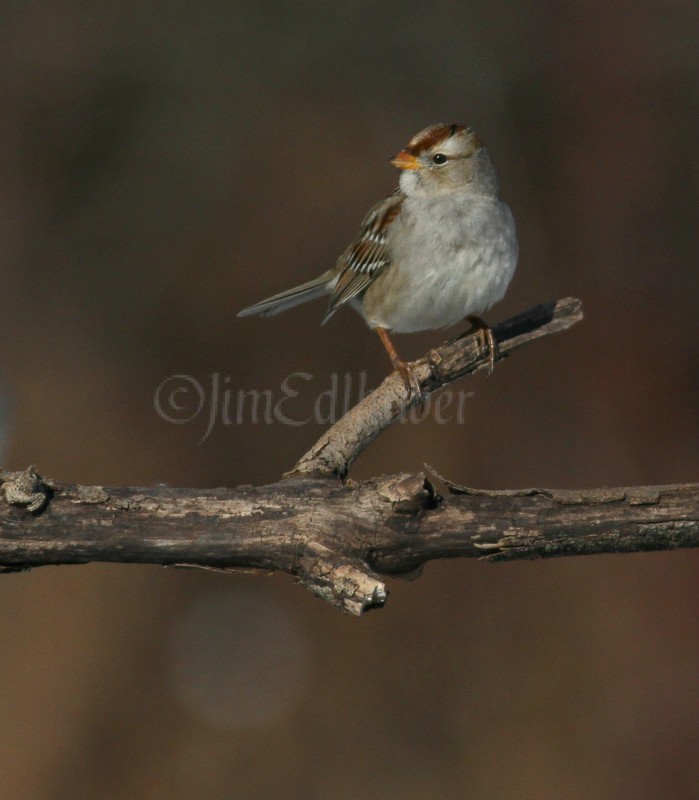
(367, 256)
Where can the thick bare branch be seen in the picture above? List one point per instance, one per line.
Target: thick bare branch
(340, 541)
(340, 445)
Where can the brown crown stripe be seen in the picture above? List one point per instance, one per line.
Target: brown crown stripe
(429, 137)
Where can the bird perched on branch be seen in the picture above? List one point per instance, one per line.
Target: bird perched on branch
(441, 248)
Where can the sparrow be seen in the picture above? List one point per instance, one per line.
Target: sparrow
(441, 248)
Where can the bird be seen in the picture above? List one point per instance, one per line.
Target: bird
(441, 248)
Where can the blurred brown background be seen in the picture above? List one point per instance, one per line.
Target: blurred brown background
(163, 165)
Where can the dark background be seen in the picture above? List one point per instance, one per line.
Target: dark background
(163, 165)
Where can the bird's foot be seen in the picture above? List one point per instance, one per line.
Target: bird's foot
(486, 340)
(407, 372)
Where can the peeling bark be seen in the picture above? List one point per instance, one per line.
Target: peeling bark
(343, 540)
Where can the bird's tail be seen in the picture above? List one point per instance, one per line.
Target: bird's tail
(291, 297)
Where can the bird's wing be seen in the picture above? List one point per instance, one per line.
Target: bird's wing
(366, 258)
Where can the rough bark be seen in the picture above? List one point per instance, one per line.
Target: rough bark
(342, 540)
(334, 452)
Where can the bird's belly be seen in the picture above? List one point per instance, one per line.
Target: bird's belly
(437, 282)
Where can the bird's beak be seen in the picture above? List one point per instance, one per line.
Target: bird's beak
(405, 160)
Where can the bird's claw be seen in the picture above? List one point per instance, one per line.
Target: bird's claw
(486, 341)
(412, 384)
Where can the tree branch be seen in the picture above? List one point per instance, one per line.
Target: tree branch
(341, 541)
(340, 445)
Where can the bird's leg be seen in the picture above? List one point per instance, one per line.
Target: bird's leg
(486, 340)
(406, 371)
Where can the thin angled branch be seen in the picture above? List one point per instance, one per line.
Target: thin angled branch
(337, 448)
(341, 541)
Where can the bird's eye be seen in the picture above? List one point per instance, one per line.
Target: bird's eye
(439, 158)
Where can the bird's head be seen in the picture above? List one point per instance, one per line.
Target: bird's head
(445, 158)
